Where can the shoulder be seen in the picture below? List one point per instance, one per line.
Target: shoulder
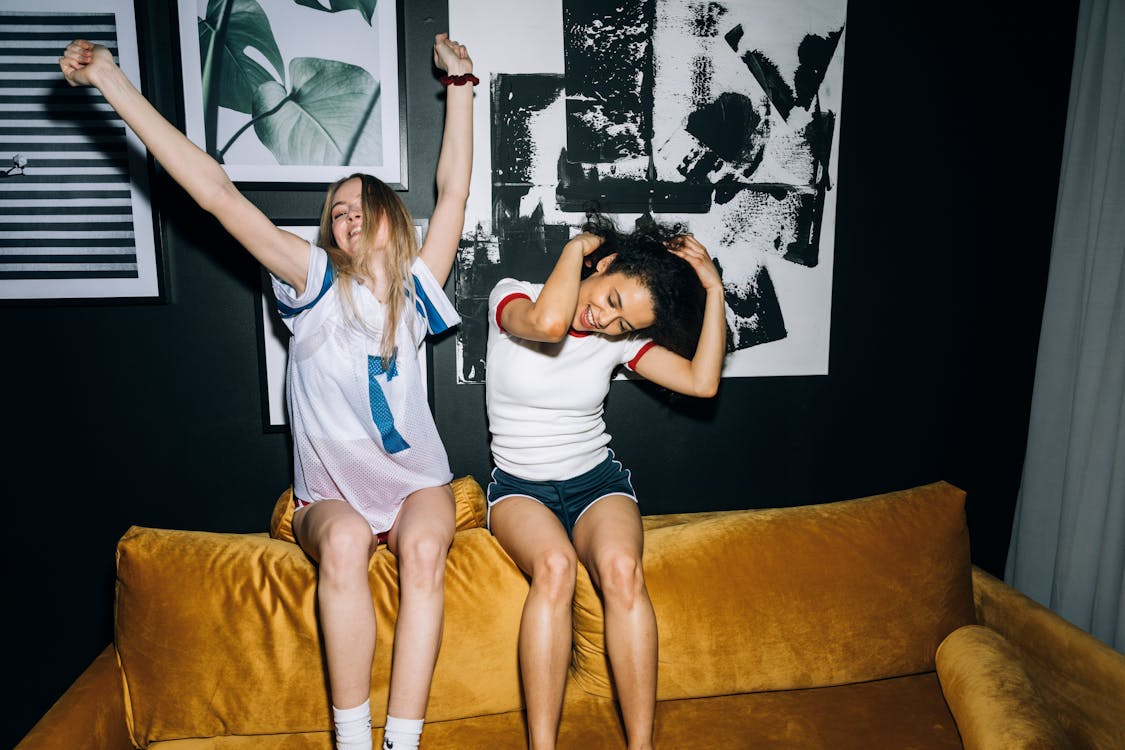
(320, 277)
(509, 287)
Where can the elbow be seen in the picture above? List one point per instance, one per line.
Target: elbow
(554, 330)
(452, 186)
(551, 328)
(457, 196)
(709, 391)
(220, 193)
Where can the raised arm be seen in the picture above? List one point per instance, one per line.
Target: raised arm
(454, 163)
(285, 254)
(700, 375)
(549, 317)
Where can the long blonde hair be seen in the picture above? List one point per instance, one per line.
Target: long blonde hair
(379, 204)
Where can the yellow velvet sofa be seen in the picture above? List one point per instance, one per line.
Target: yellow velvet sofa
(854, 624)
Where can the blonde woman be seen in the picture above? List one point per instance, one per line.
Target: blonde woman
(369, 464)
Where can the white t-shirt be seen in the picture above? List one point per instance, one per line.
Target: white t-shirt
(362, 432)
(545, 400)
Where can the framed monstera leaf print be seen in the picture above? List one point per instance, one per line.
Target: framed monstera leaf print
(296, 90)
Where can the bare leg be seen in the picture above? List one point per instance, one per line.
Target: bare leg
(610, 542)
(340, 540)
(538, 544)
(420, 538)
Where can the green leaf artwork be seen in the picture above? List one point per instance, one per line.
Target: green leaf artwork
(365, 7)
(228, 71)
(328, 118)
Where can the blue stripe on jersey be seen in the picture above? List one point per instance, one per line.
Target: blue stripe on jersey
(436, 323)
(393, 441)
(325, 284)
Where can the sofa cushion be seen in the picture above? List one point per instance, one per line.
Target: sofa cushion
(904, 712)
(796, 597)
(217, 634)
(471, 509)
(991, 696)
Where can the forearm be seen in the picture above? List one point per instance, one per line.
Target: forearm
(549, 318)
(707, 364)
(200, 175)
(455, 162)
(456, 158)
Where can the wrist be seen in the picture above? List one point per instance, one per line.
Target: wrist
(99, 75)
(460, 67)
(459, 80)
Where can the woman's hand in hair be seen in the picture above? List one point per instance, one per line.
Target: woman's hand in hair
(585, 242)
(693, 251)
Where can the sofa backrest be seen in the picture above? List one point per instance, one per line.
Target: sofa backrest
(798, 597)
(217, 633)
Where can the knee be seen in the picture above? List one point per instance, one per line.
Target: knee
(554, 573)
(421, 560)
(344, 551)
(622, 580)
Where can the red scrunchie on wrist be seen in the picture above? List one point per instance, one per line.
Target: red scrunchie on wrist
(460, 80)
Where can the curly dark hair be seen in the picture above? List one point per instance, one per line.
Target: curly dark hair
(678, 299)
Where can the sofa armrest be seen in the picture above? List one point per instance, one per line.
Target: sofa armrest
(1080, 678)
(90, 715)
(991, 697)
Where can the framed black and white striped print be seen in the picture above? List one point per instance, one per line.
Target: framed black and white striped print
(75, 219)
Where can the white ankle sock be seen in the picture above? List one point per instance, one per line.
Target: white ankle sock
(402, 734)
(353, 727)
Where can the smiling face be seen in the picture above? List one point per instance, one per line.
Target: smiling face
(346, 215)
(612, 304)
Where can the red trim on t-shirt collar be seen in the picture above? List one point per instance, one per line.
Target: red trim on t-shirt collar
(504, 302)
(578, 334)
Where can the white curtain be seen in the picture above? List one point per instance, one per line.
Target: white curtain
(1068, 539)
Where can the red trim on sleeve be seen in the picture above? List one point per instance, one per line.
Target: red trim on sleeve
(504, 302)
(632, 364)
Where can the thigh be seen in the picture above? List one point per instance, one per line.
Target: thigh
(527, 530)
(609, 529)
(314, 524)
(428, 511)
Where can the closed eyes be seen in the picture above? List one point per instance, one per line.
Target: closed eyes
(623, 325)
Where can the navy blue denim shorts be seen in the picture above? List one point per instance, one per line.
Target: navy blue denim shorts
(568, 499)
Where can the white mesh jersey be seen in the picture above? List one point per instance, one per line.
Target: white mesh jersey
(545, 400)
(362, 431)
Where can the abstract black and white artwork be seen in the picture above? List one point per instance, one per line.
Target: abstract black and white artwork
(75, 219)
(722, 116)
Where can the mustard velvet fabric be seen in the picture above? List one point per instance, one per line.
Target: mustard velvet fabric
(993, 700)
(892, 714)
(895, 714)
(472, 509)
(217, 634)
(1081, 679)
(90, 715)
(796, 597)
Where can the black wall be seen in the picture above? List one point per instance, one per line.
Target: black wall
(952, 124)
